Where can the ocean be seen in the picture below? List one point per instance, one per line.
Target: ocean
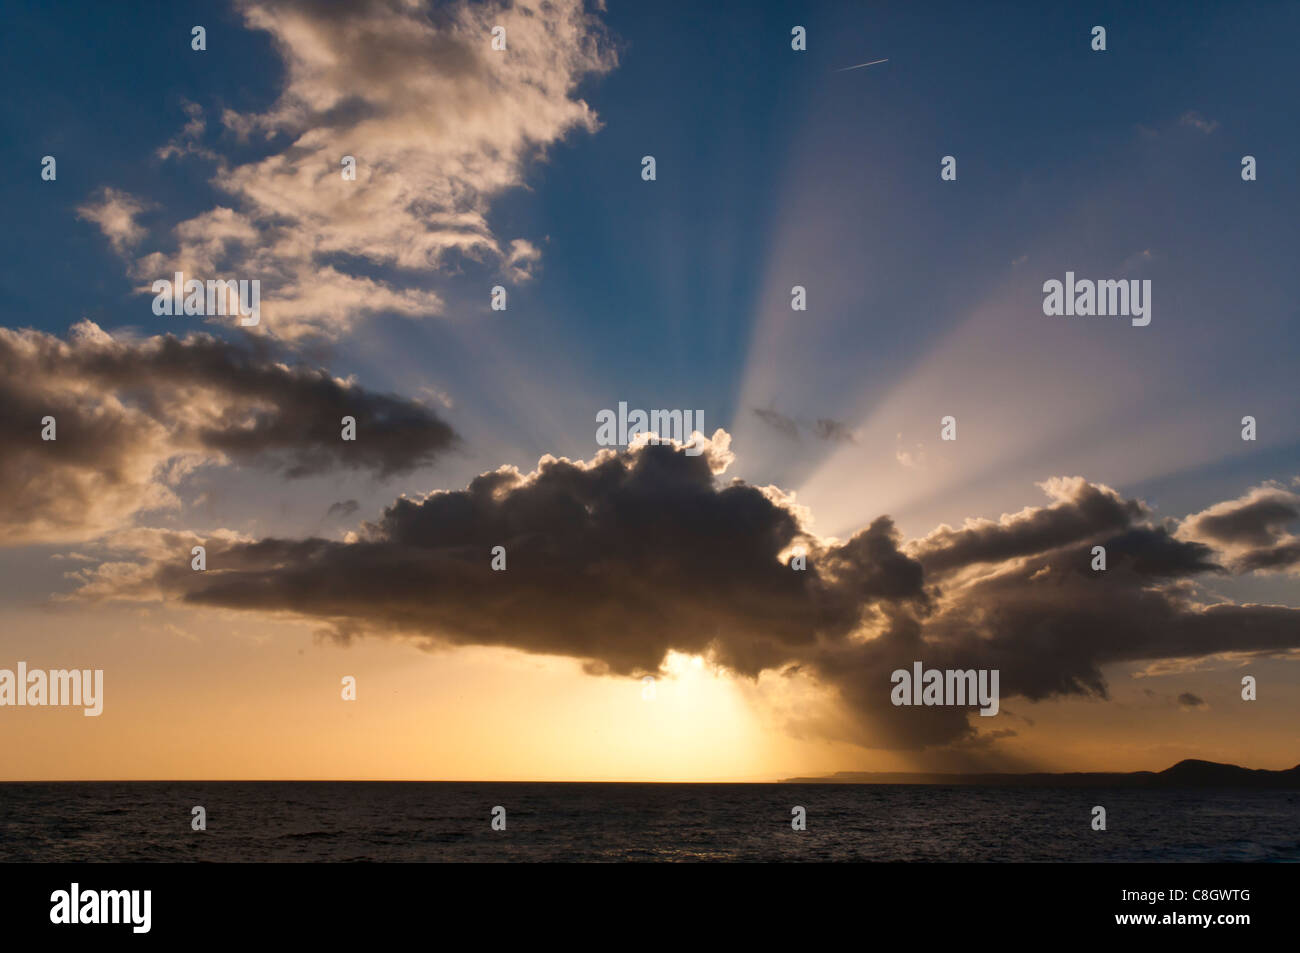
(451, 821)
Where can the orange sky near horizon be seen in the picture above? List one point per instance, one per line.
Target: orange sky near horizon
(190, 696)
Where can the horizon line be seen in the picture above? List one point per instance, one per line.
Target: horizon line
(783, 780)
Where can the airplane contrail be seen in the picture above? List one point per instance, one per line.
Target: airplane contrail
(860, 65)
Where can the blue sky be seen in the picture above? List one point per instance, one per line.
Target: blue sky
(767, 160)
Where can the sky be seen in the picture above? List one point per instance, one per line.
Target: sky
(819, 430)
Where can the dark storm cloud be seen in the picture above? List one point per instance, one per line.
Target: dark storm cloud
(343, 509)
(1049, 624)
(132, 416)
(615, 562)
(1256, 522)
(1189, 700)
(1252, 530)
(1152, 551)
(1081, 511)
(1273, 557)
(618, 561)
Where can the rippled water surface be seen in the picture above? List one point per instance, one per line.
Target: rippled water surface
(450, 821)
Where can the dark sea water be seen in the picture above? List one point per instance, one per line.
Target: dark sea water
(450, 821)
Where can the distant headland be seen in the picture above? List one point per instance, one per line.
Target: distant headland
(1185, 774)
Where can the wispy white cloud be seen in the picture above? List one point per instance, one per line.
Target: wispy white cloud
(115, 213)
(439, 124)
